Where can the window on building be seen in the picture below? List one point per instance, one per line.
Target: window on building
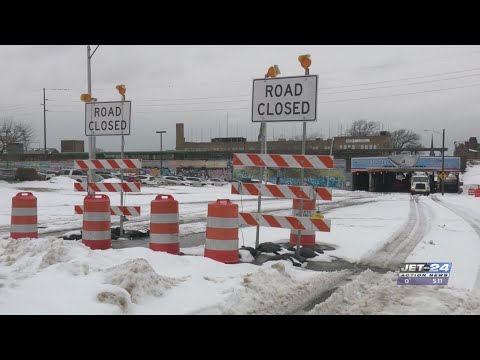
(349, 146)
(353, 147)
(375, 146)
(362, 147)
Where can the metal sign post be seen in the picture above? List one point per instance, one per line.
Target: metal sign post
(122, 217)
(302, 171)
(263, 175)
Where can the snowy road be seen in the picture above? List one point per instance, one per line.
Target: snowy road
(371, 235)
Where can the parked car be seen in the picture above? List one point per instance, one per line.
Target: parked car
(216, 182)
(196, 181)
(73, 174)
(177, 180)
(161, 181)
(147, 180)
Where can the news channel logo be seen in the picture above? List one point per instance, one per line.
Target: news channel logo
(427, 273)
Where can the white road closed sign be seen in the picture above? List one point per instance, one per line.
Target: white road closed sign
(107, 118)
(285, 99)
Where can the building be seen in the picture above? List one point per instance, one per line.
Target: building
(392, 173)
(72, 146)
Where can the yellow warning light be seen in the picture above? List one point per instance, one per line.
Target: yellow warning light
(305, 61)
(317, 215)
(122, 89)
(273, 71)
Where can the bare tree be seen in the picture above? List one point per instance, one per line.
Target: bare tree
(12, 132)
(404, 139)
(363, 128)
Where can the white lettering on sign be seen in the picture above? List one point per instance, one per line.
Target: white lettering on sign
(357, 140)
(285, 99)
(107, 118)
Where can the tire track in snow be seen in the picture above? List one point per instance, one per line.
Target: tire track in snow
(470, 220)
(381, 260)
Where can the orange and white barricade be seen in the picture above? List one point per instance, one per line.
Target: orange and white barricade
(24, 222)
(221, 242)
(307, 237)
(96, 233)
(164, 227)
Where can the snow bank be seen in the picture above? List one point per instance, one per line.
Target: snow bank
(55, 276)
(471, 175)
(371, 293)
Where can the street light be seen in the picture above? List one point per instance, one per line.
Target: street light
(161, 150)
(442, 181)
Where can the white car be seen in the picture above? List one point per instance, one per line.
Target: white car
(147, 180)
(176, 180)
(216, 182)
(196, 181)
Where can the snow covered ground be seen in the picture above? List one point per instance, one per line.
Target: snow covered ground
(369, 231)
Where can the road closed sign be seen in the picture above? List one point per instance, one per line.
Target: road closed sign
(285, 99)
(107, 118)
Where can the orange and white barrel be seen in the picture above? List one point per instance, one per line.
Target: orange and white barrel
(164, 227)
(24, 222)
(221, 243)
(96, 232)
(307, 237)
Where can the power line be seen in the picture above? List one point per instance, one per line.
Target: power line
(410, 78)
(211, 102)
(197, 98)
(411, 93)
(223, 109)
(390, 86)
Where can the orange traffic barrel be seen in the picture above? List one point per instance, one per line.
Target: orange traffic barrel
(24, 216)
(307, 237)
(221, 242)
(164, 227)
(96, 232)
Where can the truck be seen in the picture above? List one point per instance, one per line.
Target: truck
(420, 184)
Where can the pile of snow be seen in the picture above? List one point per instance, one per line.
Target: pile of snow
(55, 276)
(471, 175)
(372, 293)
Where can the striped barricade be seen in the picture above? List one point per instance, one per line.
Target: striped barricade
(109, 187)
(283, 161)
(108, 164)
(115, 210)
(285, 222)
(283, 191)
(221, 242)
(96, 232)
(164, 224)
(24, 221)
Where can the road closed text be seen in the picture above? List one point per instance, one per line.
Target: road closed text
(285, 99)
(108, 119)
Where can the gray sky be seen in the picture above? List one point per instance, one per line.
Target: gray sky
(199, 85)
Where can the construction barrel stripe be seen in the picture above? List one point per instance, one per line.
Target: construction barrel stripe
(24, 222)
(108, 187)
(164, 224)
(115, 210)
(96, 233)
(286, 222)
(221, 243)
(108, 164)
(307, 237)
(283, 161)
(283, 191)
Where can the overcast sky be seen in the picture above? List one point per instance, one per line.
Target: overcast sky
(202, 86)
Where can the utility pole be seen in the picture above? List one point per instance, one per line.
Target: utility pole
(91, 140)
(44, 126)
(443, 162)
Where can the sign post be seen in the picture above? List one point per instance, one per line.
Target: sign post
(284, 99)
